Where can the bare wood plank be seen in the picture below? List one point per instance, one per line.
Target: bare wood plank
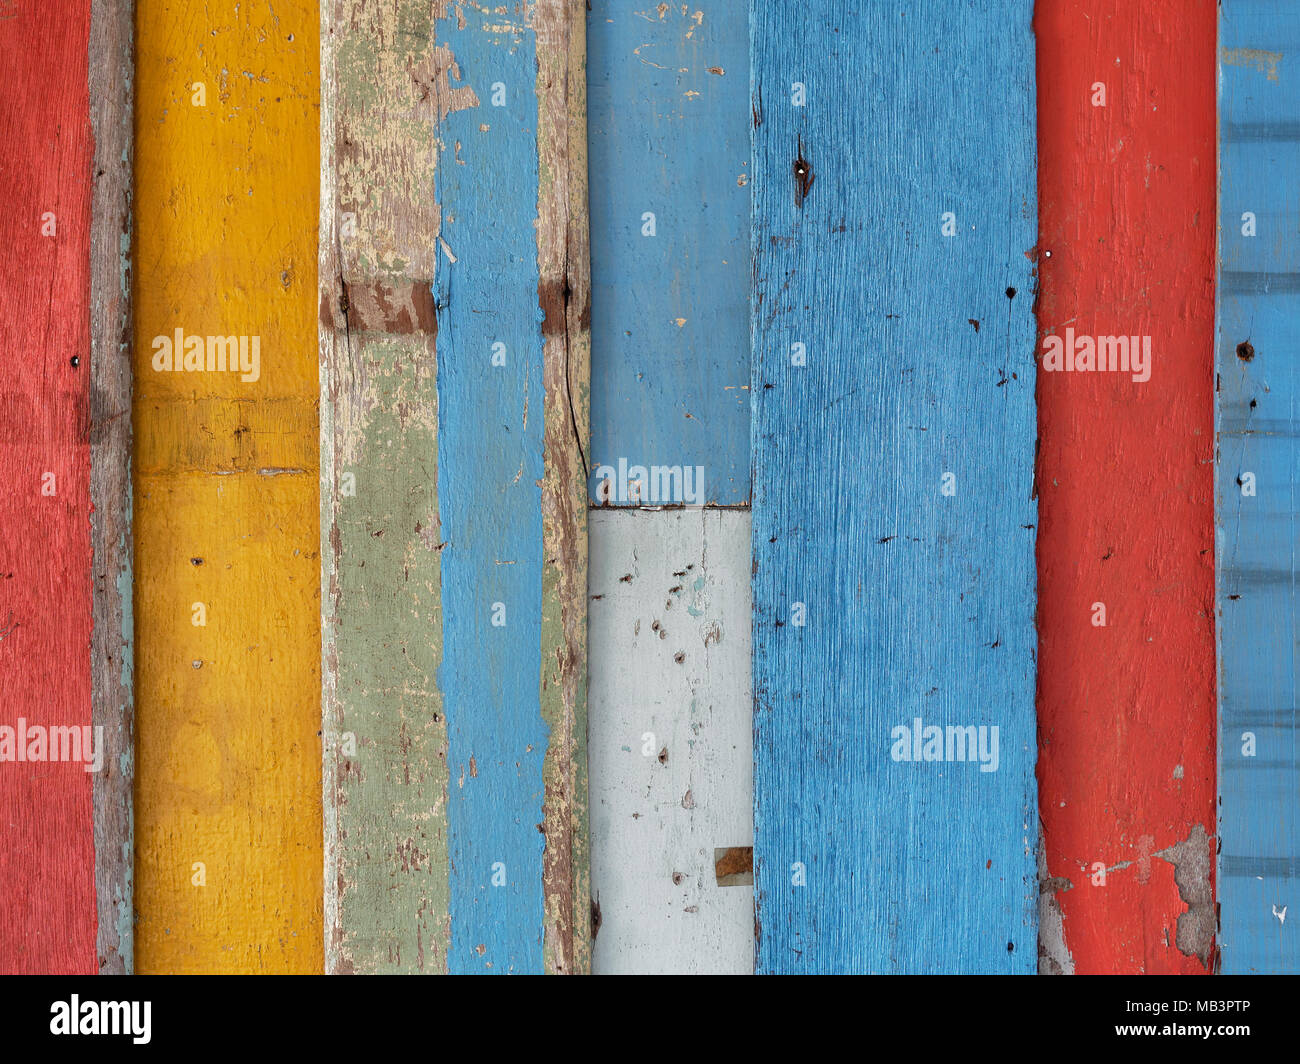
(564, 292)
(111, 62)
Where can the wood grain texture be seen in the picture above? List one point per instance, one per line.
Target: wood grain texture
(564, 294)
(669, 136)
(111, 78)
(228, 817)
(454, 405)
(385, 746)
(1126, 769)
(880, 601)
(1257, 519)
(671, 740)
(47, 831)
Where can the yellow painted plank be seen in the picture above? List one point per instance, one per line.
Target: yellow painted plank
(228, 819)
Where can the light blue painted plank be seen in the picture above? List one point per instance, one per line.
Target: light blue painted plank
(1257, 419)
(668, 134)
(915, 605)
(489, 472)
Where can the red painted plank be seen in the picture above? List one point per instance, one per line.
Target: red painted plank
(1125, 482)
(47, 885)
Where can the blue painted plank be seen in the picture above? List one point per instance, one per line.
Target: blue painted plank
(490, 431)
(883, 605)
(1258, 495)
(668, 135)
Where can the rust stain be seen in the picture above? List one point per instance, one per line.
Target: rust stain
(803, 177)
(734, 866)
(397, 309)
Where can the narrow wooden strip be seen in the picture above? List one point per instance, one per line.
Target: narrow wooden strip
(48, 906)
(111, 62)
(1126, 766)
(671, 742)
(564, 295)
(385, 739)
(670, 207)
(1257, 519)
(894, 518)
(228, 822)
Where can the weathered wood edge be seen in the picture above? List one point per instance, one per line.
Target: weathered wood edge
(111, 80)
(564, 294)
(329, 283)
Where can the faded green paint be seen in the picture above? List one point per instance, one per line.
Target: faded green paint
(385, 777)
(391, 84)
(387, 644)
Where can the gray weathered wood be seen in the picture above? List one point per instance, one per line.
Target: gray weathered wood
(111, 63)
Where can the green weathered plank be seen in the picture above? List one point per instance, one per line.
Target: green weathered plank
(384, 86)
(424, 226)
(111, 85)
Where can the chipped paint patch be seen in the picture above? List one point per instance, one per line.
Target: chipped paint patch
(1192, 860)
(1053, 953)
(1253, 58)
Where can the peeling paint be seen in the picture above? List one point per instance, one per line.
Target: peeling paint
(1192, 859)
(1255, 58)
(1053, 954)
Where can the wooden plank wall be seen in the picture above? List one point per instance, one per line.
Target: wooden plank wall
(894, 515)
(48, 918)
(1125, 700)
(900, 246)
(228, 820)
(670, 613)
(1257, 459)
(454, 390)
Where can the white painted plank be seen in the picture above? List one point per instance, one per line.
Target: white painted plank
(671, 742)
